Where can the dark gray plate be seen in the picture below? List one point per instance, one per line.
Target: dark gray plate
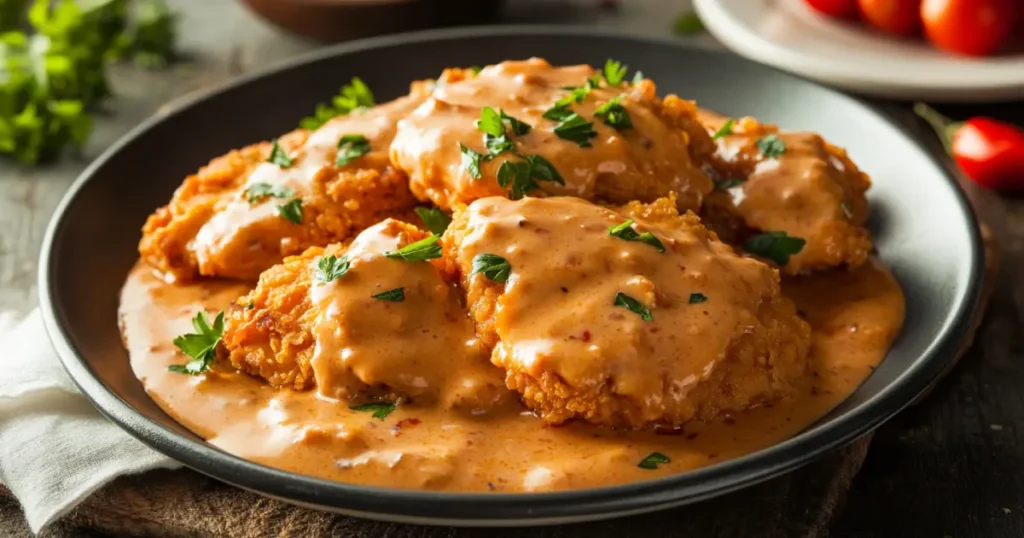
(924, 230)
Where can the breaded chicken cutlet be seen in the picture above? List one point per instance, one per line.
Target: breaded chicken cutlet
(796, 183)
(247, 210)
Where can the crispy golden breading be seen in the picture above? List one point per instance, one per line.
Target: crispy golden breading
(721, 337)
(811, 190)
(214, 227)
(655, 149)
(343, 338)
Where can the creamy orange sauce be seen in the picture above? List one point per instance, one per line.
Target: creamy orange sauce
(650, 159)
(422, 348)
(243, 225)
(854, 318)
(716, 318)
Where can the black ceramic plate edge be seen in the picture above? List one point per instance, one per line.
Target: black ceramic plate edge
(501, 509)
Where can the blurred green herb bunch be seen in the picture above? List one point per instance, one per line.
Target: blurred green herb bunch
(53, 58)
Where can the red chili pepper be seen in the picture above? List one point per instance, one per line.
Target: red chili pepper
(990, 152)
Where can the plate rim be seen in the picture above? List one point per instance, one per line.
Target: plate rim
(752, 45)
(505, 509)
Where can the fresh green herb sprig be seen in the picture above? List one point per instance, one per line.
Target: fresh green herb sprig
(331, 268)
(434, 219)
(634, 306)
(396, 295)
(626, 232)
(201, 345)
(653, 460)
(55, 73)
(352, 96)
(777, 246)
(380, 410)
(420, 251)
(492, 266)
(520, 177)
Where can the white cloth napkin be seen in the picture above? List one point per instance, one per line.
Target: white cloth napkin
(55, 448)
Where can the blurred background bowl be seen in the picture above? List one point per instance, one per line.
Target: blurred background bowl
(339, 20)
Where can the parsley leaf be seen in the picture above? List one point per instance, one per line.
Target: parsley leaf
(470, 161)
(434, 219)
(724, 130)
(559, 112)
(380, 410)
(771, 146)
(396, 295)
(258, 191)
(776, 246)
(331, 268)
(420, 251)
(351, 147)
(625, 301)
(352, 96)
(576, 129)
(614, 72)
(688, 23)
(625, 231)
(652, 461)
(576, 95)
(201, 345)
(279, 157)
(492, 266)
(496, 145)
(727, 184)
(291, 211)
(522, 176)
(614, 114)
(490, 122)
(637, 77)
(519, 128)
(696, 298)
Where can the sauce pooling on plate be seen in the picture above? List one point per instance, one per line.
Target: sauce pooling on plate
(854, 317)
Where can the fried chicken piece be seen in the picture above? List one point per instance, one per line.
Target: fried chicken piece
(642, 148)
(623, 329)
(230, 219)
(334, 318)
(770, 181)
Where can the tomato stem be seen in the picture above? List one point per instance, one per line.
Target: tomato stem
(944, 127)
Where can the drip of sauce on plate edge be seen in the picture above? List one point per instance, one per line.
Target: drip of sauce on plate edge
(854, 315)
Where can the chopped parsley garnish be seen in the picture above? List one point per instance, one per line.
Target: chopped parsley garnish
(614, 72)
(637, 77)
(522, 176)
(576, 95)
(250, 305)
(470, 161)
(201, 345)
(771, 146)
(396, 295)
(258, 191)
(490, 122)
(652, 461)
(475, 69)
(492, 266)
(776, 246)
(727, 184)
(614, 114)
(278, 156)
(626, 231)
(420, 251)
(331, 268)
(352, 96)
(625, 301)
(698, 298)
(519, 128)
(434, 219)
(558, 112)
(576, 129)
(350, 148)
(291, 211)
(380, 410)
(688, 23)
(724, 130)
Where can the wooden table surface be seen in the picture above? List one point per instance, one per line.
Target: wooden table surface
(952, 466)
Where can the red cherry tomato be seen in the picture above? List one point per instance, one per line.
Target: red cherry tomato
(834, 8)
(989, 152)
(971, 27)
(897, 17)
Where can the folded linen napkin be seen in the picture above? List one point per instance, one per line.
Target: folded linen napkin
(43, 422)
